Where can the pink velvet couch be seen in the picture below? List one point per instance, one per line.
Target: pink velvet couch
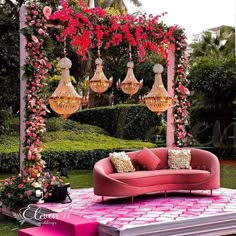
(205, 175)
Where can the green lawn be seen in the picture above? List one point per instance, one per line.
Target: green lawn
(228, 176)
(75, 141)
(84, 179)
(10, 227)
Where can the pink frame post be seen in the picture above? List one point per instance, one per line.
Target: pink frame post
(22, 85)
(170, 88)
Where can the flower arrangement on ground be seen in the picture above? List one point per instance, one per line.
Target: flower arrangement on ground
(20, 191)
(17, 192)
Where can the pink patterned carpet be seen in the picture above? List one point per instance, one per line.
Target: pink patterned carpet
(120, 213)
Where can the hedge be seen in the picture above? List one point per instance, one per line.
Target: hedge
(82, 160)
(85, 159)
(126, 121)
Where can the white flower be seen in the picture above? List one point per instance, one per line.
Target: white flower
(37, 185)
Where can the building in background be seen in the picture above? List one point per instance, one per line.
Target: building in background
(215, 32)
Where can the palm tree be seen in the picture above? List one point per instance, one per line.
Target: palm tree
(117, 4)
(219, 46)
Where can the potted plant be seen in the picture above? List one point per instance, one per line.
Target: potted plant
(57, 190)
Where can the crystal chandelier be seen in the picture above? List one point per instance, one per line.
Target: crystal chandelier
(158, 100)
(99, 83)
(130, 85)
(65, 100)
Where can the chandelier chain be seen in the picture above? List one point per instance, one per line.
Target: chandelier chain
(130, 53)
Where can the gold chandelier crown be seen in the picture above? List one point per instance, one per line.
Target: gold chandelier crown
(65, 100)
(99, 83)
(130, 84)
(158, 99)
(65, 63)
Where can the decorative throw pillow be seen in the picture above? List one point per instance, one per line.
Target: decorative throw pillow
(121, 162)
(179, 158)
(136, 165)
(147, 159)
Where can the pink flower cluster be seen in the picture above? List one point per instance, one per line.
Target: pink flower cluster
(12, 181)
(37, 63)
(88, 28)
(181, 110)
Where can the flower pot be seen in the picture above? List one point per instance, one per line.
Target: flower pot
(57, 193)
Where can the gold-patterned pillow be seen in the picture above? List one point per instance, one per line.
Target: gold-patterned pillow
(179, 158)
(121, 162)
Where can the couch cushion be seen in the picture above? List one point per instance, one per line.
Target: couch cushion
(179, 158)
(167, 176)
(121, 162)
(147, 159)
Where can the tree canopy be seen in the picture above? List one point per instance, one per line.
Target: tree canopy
(116, 4)
(217, 46)
(212, 76)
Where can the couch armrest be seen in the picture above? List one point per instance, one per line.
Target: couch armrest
(202, 159)
(104, 185)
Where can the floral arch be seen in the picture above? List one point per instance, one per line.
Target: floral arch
(88, 28)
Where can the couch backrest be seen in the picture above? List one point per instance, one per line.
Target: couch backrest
(200, 159)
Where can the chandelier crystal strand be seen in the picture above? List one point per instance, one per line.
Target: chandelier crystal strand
(99, 83)
(158, 100)
(130, 84)
(65, 100)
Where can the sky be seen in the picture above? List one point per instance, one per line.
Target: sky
(193, 16)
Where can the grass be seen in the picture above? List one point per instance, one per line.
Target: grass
(10, 227)
(61, 140)
(228, 176)
(80, 179)
(75, 140)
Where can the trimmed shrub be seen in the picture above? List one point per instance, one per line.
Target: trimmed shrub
(83, 160)
(8, 123)
(9, 162)
(124, 121)
(57, 124)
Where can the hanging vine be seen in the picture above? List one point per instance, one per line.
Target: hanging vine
(36, 67)
(181, 109)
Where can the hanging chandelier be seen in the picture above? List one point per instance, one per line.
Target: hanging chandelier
(65, 100)
(99, 83)
(130, 84)
(157, 100)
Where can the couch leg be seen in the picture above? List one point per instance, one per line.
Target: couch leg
(132, 199)
(102, 198)
(211, 191)
(165, 193)
(190, 191)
